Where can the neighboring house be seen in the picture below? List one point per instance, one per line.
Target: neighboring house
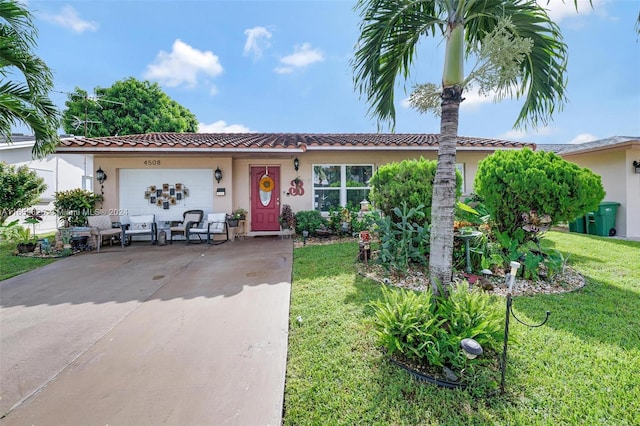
(169, 173)
(60, 172)
(612, 159)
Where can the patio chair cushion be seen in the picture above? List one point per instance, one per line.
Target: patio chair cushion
(141, 224)
(216, 222)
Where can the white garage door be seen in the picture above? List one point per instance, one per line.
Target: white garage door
(187, 189)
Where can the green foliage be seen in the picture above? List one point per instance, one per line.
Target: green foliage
(24, 236)
(140, 107)
(25, 100)
(20, 188)
(74, 206)
(512, 183)
(429, 330)
(404, 241)
(309, 220)
(409, 181)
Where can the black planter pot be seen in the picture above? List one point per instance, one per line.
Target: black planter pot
(232, 222)
(79, 243)
(26, 247)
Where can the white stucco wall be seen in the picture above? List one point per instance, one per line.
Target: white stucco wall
(620, 182)
(61, 172)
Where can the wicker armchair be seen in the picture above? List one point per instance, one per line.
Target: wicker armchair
(190, 219)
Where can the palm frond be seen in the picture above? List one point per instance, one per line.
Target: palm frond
(390, 32)
(542, 80)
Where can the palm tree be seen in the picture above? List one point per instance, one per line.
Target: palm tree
(26, 100)
(390, 32)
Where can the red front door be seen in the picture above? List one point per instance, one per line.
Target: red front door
(265, 198)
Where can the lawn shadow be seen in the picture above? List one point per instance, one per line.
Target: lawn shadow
(597, 313)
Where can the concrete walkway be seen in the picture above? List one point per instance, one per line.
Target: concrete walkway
(148, 335)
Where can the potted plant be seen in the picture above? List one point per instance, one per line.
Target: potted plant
(235, 216)
(26, 241)
(287, 218)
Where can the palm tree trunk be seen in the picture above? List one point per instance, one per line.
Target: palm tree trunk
(444, 186)
(444, 194)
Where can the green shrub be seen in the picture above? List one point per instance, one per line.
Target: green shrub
(512, 183)
(429, 330)
(74, 206)
(309, 220)
(410, 181)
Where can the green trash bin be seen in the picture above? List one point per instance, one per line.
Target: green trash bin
(605, 219)
(590, 223)
(578, 225)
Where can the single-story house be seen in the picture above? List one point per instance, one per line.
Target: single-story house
(613, 159)
(168, 173)
(61, 172)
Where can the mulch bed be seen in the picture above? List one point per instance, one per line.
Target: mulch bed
(418, 278)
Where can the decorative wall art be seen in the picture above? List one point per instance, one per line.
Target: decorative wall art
(166, 195)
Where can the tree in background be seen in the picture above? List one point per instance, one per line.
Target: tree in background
(20, 188)
(25, 101)
(128, 107)
(524, 57)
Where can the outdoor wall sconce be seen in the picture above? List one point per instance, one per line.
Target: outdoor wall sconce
(296, 164)
(636, 167)
(218, 174)
(101, 177)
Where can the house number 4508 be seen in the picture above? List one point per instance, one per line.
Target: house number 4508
(151, 162)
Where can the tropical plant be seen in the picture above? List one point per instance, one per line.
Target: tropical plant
(128, 107)
(409, 181)
(522, 53)
(403, 241)
(514, 184)
(24, 235)
(74, 206)
(428, 329)
(26, 100)
(20, 187)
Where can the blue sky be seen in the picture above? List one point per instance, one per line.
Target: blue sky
(284, 66)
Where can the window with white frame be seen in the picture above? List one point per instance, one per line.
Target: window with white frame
(336, 185)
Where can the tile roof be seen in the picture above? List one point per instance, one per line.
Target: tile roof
(612, 142)
(273, 142)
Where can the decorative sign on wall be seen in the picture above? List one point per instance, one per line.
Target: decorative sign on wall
(166, 195)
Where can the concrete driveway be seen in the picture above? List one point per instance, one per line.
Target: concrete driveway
(179, 335)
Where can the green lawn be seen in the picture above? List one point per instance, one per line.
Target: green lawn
(583, 367)
(11, 265)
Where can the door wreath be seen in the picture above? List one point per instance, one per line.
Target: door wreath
(266, 184)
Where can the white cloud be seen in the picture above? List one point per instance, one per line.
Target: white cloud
(302, 56)
(514, 134)
(183, 65)
(257, 41)
(214, 90)
(283, 70)
(583, 138)
(221, 126)
(68, 18)
(473, 100)
(559, 10)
